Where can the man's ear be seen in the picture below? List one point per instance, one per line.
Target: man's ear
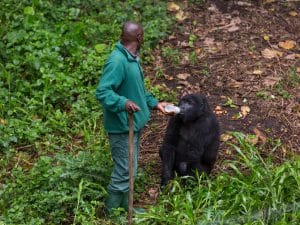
(139, 38)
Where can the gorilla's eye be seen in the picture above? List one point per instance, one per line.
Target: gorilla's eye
(189, 101)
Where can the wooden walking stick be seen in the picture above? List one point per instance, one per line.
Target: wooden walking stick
(130, 168)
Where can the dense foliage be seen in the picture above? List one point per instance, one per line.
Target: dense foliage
(54, 157)
(52, 54)
(51, 57)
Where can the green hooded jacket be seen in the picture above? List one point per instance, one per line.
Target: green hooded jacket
(123, 80)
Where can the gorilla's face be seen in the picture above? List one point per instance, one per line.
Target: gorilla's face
(192, 107)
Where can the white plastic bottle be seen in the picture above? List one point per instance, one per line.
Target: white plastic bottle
(172, 109)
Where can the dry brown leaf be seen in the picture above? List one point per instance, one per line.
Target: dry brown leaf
(241, 3)
(288, 44)
(173, 7)
(271, 81)
(184, 59)
(183, 76)
(184, 83)
(257, 72)
(226, 137)
(171, 37)
(212, 46)
(293, 13)
(245, 110)
(218, 113)
(153, 193)
(290, 56)
(284, 151)
(260, 135)
(235, 84)
(183, 44)
(219, 110)
(198, 51)
(252, 140)
(180, 16)
(167, 77)
(271, 53)
(209, 41)
(233, 28)
(213, 8)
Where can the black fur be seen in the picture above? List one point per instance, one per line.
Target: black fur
(192, 139)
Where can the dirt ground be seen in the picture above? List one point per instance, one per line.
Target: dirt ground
(245, 57)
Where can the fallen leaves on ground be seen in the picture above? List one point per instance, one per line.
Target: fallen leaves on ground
(245, 110)
(257, 72)
(198, 51)
(183, 76)
(168, 77)
(270, 81)
(173, 7)
(235, 84)
(252, 139)
(226, 137)
(153, 194)
(233, 24)
(212, 46)
(293, 13)
(290, 56)
(271, 53)
(260, 135)
(180, 16)
(219, 110)
(287, 45)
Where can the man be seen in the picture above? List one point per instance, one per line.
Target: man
(121, 91)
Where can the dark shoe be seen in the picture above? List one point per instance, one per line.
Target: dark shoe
(125, 202)
(113, 201)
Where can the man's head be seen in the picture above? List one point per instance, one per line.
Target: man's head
(132, 33)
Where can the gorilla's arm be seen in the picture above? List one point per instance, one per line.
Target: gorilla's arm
(203, 139)
(167, 151)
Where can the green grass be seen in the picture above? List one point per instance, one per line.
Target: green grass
(172, 55)
(54, 157)
(254, 191)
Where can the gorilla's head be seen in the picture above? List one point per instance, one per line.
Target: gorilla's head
(192, 107)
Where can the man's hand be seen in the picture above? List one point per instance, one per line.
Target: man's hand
(131, 107)
(161, 106)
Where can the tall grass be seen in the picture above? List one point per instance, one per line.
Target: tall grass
(254, 191)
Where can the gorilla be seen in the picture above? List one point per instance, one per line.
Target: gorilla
(191, 141)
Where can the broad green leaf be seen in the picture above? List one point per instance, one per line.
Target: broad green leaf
(28, 10)
(100, 48)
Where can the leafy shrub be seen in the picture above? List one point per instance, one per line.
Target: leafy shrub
(52, 54)
(51, 57)
(49, 193)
